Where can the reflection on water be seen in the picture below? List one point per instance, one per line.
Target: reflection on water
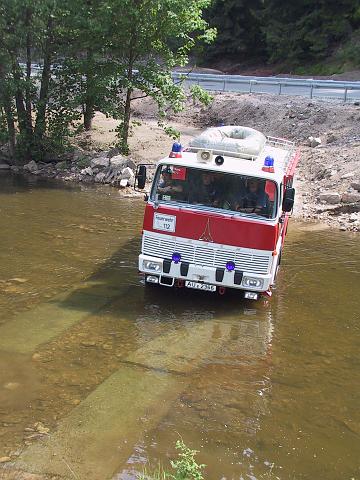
(267, 388)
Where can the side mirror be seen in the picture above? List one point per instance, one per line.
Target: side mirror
(140, 177)
(288, 202)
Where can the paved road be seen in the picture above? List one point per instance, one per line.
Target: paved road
(325, 89)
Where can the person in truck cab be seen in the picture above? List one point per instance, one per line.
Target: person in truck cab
(256, 200)
(208, 192)
(234, 191)
(167, 185)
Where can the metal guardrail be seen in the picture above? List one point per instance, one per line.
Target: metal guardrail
(325, 89)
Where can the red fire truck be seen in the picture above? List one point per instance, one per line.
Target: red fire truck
(217, 213)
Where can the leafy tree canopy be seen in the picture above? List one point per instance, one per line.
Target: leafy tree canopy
(95, 55)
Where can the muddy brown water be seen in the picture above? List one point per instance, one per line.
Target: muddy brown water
(118, 372)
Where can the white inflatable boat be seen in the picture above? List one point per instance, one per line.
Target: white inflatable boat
(237, 140)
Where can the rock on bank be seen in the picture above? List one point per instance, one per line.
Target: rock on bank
(106, 167)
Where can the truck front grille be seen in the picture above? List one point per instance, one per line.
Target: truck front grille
(207, 255)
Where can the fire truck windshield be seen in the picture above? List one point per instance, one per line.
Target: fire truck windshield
(225, 191)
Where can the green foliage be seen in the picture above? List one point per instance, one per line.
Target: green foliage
(170, 131)
(110, 52)
(298, 32)
(349, 52)
(113, 52)
(239, 32)
(152, 38)
(184, 467)
(291, 33)
(201, 95)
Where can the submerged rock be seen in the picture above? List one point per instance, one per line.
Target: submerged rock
(5, 459)
(40, 428)
(88, 344)
(12, 386)
(18, 280)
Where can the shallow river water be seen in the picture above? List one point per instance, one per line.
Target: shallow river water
(118, 371)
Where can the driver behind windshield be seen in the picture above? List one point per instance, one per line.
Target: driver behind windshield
(256, 200)
(208, 192)
(167, 185)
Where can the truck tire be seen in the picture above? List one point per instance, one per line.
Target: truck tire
(277, 267)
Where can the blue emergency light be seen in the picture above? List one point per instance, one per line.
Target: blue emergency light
(268, 164)
(176, 257)
(176, 150)
(230, 266)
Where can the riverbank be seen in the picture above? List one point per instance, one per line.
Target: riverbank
(328, 176)
(94, 160)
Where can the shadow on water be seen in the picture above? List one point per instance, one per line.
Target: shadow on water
(16, 183)
(118, 280)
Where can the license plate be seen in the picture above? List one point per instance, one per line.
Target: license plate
(166, 223)
(200, 286)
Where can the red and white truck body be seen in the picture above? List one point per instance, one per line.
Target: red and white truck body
(215, 245)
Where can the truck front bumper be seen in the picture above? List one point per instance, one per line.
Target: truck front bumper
(168, 272)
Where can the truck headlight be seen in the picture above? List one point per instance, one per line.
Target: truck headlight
(253, 282)
(151, 265)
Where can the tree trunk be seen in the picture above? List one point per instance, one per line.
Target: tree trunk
(126, 122)
(28, 73)
(10, 122)
(127, 109)
(11, 129)
(40, 125)
(89, 107)
(88, 114)
(19, 99)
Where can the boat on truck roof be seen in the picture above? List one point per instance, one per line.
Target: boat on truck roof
(217, 214)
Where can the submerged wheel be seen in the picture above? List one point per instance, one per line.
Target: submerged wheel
(277, 267)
